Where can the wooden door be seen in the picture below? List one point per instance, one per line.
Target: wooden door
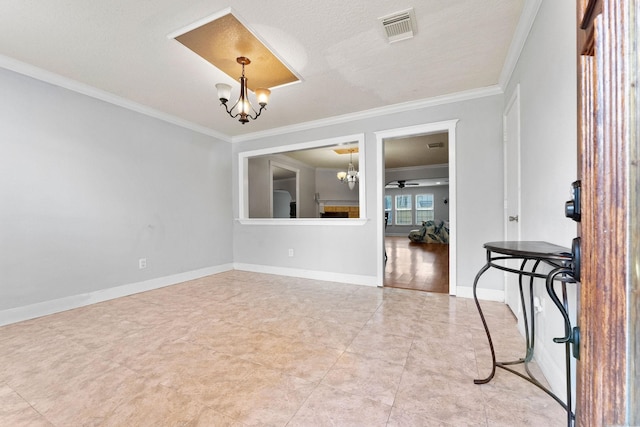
(609, 366)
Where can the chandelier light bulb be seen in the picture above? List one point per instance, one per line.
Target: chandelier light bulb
(263, 96)
(245, 107)
(350, 177)
(224, 92)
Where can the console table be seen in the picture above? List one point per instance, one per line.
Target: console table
(532, 254)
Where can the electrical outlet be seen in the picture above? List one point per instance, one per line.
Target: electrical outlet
(142, 263)
(538, 305)
(290, 252)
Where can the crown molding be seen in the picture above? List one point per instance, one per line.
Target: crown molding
(290, 160)
(524, 26)
(375, 112)
(414, 168)
(527, 18)
(84, 89)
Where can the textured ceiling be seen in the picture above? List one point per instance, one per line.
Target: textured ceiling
(337, 47)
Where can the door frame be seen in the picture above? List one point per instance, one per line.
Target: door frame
(448, 126)
(514, 102)
(608, 382)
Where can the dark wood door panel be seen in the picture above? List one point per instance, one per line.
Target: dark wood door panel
(608, 150)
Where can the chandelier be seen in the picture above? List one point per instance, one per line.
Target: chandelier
(349, 177)
(243, 107)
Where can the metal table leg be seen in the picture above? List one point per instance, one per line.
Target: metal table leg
(571, 337)
(484, 323)
(530, 332)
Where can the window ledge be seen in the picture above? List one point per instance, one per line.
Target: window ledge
(302, 221)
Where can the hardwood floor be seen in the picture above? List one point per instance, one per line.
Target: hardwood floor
(419, 266)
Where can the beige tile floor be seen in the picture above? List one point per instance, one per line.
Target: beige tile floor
(247, 349)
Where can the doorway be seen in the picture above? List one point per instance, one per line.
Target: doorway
(448, 128)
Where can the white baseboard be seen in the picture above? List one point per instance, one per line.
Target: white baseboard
(18, 314)
(354, 279)
(553, 373)
(483, 294)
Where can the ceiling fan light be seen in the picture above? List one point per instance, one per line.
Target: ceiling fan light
(224, 92)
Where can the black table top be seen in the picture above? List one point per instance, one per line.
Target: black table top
(530, 249)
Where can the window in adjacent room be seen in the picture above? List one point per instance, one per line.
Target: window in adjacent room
(403, 210)
(388, 209)
(424, 208)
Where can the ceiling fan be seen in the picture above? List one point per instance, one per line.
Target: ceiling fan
(401, 183)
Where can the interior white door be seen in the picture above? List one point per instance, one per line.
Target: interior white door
(512, 196)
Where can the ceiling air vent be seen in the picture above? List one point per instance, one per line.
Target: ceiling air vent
(399, 26)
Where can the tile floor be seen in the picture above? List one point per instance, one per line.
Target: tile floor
(247, 349)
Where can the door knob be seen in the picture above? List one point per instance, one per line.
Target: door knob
(576, 258)
(572, 208)
(513, 218)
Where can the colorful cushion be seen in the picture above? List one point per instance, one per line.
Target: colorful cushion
(431, 233)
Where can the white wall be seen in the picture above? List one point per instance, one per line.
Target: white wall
(87, 188)
(546, 73)
(323, 248)
(259, 175)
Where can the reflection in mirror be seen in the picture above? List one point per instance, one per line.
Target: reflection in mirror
(284, 181)
(303, 180)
